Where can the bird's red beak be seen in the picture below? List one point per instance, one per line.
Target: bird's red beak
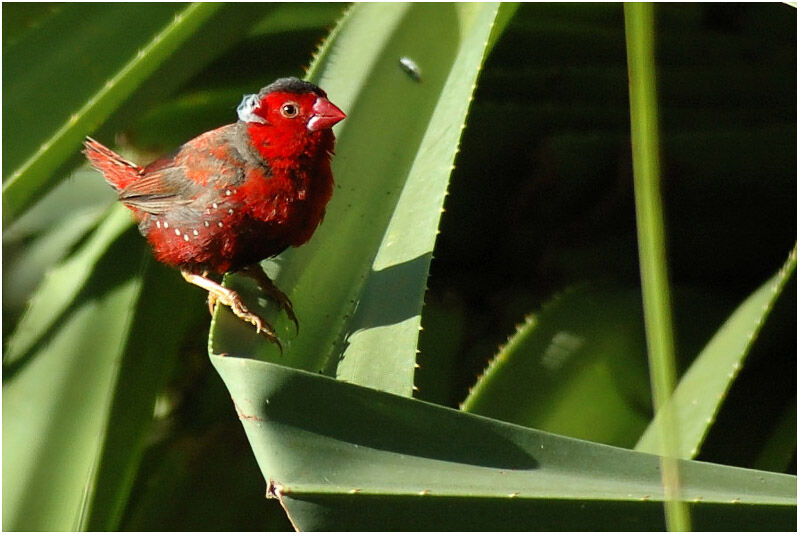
(325, 115)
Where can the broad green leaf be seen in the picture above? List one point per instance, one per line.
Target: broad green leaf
(64, 53)
(49, 231)
(703, 387)
(165, 308)
(339, 455)
(298, 16)
(84, 191)
(56, 401)
(162, 49)
(200, 474)
(90, 355)
(572, 369)
(23, 273)
(52, 300)
(393, 159)
(43, 156)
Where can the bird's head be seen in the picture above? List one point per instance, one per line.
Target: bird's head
(287, 114)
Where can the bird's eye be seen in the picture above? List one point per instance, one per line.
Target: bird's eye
(290, 110)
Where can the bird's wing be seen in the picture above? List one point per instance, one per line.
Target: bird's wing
(183, 179)
(153, 194)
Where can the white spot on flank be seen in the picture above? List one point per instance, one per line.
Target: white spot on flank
(214, 205)
(185, 237)
(230, 211)
(158, 223)
(219, 224)
(177, 232)
(166, 225)
(195, 232)
(205, 223)
(227, 192)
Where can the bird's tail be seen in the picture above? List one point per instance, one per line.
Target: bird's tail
(117, 171)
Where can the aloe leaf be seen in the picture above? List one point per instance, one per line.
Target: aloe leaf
(703, 387)
(30, 177)
(84, 192)
(46, 234)
(55, 402)
(89, 356)
(298, 16)
(339, 455)
(24, 271)
(60, 288)
(152, 344)
(394, 156)
(571, 369)
(64, 54)
(161, 49)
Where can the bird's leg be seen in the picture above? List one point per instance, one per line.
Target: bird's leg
(256, 272)
(229, 298)
(211, 300)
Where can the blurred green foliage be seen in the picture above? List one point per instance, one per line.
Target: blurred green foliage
(543, 186)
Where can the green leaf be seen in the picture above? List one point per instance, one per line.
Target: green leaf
(66, 53)
(85, 191)
(55, 403)
(32, 176)
(43, 236)
(59, 289)
(339, 455)
(703, 387)
(199, 474)
(152, 344)
(394, 156)
(571, 369)
(25, 271)
(298, 16)
(651, 238)
(89, 357)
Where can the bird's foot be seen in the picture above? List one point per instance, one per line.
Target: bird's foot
(256, 272)
(230, 298)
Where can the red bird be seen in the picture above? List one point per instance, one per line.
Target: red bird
(234, 196)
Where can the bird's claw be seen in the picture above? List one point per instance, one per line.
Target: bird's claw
(284, 303)
(237, 306)
(256, 273)
(230, 298)
(212, 302)
(262, 326)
